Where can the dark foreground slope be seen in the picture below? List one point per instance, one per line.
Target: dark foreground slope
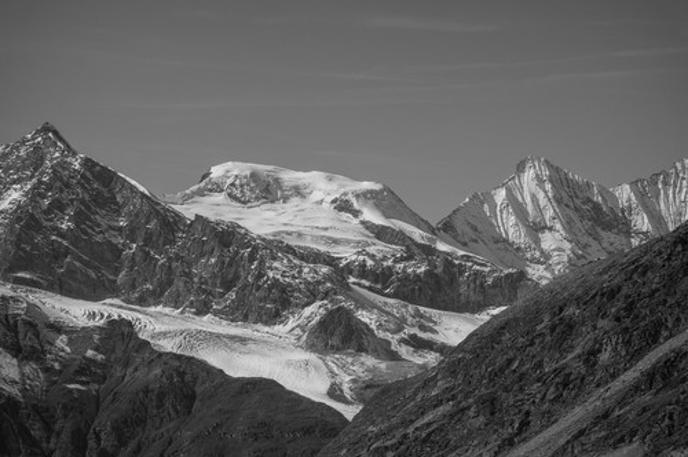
(594, 363)
(102, 391)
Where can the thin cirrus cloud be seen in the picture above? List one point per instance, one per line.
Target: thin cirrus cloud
(426, 25)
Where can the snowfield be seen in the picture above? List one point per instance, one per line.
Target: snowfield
(274, 352)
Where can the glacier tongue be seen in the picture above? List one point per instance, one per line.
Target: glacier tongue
(277, 352)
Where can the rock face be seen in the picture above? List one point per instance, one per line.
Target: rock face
(439, 281)
(102, 391)
(546, 220)
(595, 363)
(73, 226)
(340, 330)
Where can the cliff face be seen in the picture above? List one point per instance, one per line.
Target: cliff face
(595, 363)
(100, 390)
(546, 220)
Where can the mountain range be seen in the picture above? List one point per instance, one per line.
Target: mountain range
(332, 287)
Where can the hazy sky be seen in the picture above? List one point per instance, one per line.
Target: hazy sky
(436, 99)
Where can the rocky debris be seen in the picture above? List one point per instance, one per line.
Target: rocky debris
(100, 390)
(340, 330)
(546, 220)
(592, 364)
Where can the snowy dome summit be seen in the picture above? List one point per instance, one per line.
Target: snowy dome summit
(249, 183)
(326, 211)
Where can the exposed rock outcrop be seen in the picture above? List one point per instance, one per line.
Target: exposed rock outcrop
(340, 330)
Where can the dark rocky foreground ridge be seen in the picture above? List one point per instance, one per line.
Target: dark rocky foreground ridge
(103, 391)
(596, 363)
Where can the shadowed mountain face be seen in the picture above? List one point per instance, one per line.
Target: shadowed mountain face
(102, 391)
(595, 363)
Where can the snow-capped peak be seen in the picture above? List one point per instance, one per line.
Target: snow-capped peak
(545, 219)
(312, 208)
(249, 183)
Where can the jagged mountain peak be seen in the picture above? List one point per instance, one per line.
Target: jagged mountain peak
(532, 161)
(545, 219)
(40, 143)
(541, 169)
(657, 204)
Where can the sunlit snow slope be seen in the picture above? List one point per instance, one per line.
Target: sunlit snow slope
(314, 209)
(277, 352)
(545, 219)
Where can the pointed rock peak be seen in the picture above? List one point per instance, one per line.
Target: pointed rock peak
(47, 127)
(539, 166)
(48, 130)
(533, 162)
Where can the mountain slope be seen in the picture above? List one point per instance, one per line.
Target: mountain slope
(595, 363)
(77, 228)
(100, 390)
(546, 220)
(363, 228)
(314, 209)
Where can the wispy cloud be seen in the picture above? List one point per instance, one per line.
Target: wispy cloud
(425, 24)
(650, 52)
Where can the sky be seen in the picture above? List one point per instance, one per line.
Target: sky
(437, 99)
